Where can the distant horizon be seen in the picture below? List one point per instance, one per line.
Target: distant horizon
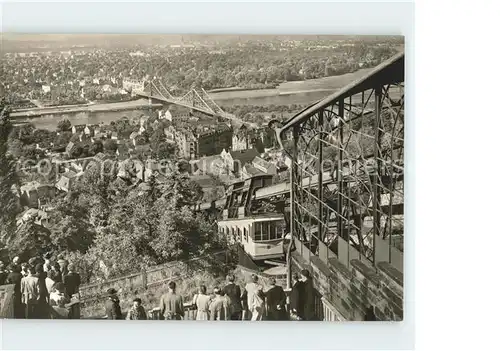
(58, 37)
(14, 41)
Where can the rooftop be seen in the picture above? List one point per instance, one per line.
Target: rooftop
(244, 156)
(252, 171)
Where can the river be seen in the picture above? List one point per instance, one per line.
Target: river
(302, 92)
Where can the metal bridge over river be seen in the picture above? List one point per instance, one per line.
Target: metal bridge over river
(196, 99)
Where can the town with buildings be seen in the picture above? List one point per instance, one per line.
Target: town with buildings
(129, 158)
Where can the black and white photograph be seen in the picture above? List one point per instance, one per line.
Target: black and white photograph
(207, 177)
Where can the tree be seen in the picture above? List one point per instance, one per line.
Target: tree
(180, 235)
(8, 179)
(164, 151)
(43, 137)
(140, 140)
(24, 133)
(71, 231)
(157, 137)
(30, 240)
(32, 153)
(110, 145)
(16, 147)
(75, 138)
(258, 145)
(123, 127)
(62, 139)
(116, 252)
(96, 148)
(76, 151)
(64, 125)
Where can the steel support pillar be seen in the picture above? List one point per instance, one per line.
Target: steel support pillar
(321, 234)
(376, 184)
(340, 181)
(293, 181)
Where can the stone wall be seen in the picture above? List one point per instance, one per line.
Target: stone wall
(158, 275)
(360, 292)
(7, 301)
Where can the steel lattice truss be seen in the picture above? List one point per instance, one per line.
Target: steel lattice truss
(196, 99)
(356, 141)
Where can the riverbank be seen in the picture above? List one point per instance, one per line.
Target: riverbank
(300, 86)
(92, 107)
(315, 86)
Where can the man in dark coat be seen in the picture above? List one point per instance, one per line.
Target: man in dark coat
(275, 300)
(308, 301)
(15, 277)
(43, 302)
(296, 297)
(233, 292)
(71, 281)
(112, 305)
(56, 274)
(244, 306)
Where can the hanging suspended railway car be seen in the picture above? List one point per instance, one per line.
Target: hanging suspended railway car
(260, 234)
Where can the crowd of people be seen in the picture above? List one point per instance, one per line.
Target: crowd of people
(44, 288)
(228, 303)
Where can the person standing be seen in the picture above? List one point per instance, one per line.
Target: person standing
(57, 302)
(233, 292)
(56, 275)
(15, 261)
(258, 304)
(296, 296)
(112, 305)
(71, 281)
(202, 303)
(136, 312)
(255, 298)
(49, 282)
(43, 302)
(30, 293)
(171, 304)
(15, 277)
(47, 263)
(24, 269)
(219, 308)
(244, 305)
(308, 300)
(276, 301)
(57, 296)
(63, 265)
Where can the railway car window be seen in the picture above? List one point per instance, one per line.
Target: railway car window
(265, 231)
(280, 229)
(245, 234)
(272, 231)
(268, 230)
(239, 234)
(258, 231)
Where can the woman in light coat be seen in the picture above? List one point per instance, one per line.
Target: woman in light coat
(202, 303)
